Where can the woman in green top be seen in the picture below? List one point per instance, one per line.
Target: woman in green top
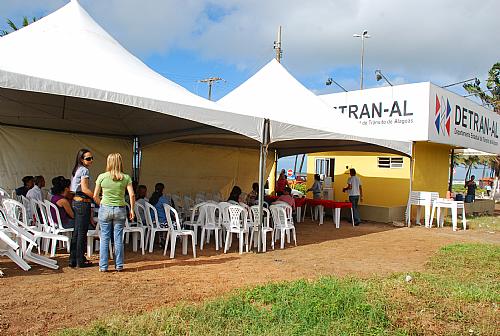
(113, 210)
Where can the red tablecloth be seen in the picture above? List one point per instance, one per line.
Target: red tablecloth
(299, 202)
(328, 203)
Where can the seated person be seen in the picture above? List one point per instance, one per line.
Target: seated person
(234, 196)
(142, 192)
(253, 196)
(287, 198)
(60, 194)
(157, 200)
(36, 191)
(28, 182)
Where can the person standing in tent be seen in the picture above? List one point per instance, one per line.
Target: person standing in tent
(80, 186)
(355, 194)
(281, 183)
(113, 209)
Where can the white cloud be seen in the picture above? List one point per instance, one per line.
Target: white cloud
(442, 41)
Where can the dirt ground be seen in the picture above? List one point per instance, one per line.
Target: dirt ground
(42, 300)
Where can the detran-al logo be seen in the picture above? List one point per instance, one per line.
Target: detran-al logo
(443, 116)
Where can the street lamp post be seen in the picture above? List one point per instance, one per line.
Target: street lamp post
(363, 36)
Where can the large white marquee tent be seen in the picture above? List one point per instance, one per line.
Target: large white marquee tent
(66, 83)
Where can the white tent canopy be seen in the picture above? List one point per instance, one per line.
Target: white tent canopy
(274, 94)
(65, 73)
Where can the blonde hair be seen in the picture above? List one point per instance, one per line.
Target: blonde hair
(114, 166)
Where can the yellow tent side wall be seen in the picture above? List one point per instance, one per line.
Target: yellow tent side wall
(36, 152)
(381, 186)
(187, 169)
(432, 167)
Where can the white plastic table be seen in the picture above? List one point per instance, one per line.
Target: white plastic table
(448, 204)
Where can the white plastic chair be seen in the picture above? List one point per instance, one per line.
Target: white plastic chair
(177, 231)
(56, 226)
(8, 247)
(237, 225)
(15, 210)
(154, 225)
(135, 230)
(265, 228)
(282, 224)
(211, 222)
(196, 220)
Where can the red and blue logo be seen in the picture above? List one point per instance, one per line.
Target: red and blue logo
(442, 119)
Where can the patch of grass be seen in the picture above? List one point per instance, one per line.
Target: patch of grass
(488, 223)
(458, 293)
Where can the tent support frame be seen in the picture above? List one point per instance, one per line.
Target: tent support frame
(262, 170)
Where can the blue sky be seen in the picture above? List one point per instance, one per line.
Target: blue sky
(187, 40)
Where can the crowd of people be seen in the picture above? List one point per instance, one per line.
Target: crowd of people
(74, 198)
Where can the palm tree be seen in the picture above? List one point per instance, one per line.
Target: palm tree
(491, 96)
(14, 27)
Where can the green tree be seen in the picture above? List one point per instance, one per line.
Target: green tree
(14, 27)
(491, 96)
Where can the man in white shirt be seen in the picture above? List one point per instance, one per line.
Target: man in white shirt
(355, 194)
(36, 191)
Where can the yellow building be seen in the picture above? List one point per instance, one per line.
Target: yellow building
(385, 177)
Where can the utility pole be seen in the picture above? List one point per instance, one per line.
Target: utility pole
(210, 81)
(277, 46)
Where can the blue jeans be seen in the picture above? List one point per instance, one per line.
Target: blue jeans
(111, 219)
(355, 211)
(79, 237)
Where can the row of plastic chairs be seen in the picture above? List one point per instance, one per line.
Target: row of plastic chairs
(24, 238)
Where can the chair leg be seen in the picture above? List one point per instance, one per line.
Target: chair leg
(172, 245)
(142, 242)
(294, 236)
(151, 241)
(53, 251)
(202, 238)
(184, 244)
(216, 234)
(90, 246)
(241, 242)
(264, 242)
(194, 245)
(246, 235)
(282, 239)
(226, 246)
(464, 220)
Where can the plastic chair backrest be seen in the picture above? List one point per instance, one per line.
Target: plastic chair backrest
(16, 212)
(279, 215)
(266, 216)
(197, 211)
(4, 193)
(41, 213)
(140, 214)
(57, 223)
(237, 217)
(151, 215)
(174, 225)
(208, 212)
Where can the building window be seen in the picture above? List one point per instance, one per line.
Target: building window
(325, 167)
(390, 162)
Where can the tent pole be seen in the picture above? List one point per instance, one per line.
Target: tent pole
(262, 169)
(408, 206)
(452, 164)
(136, 158)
